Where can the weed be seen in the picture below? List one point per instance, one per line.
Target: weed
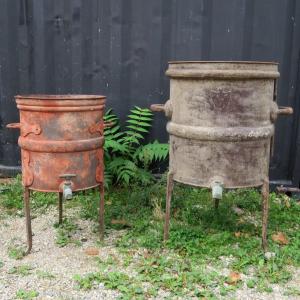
(22, 270)
(115, 280)
(292, 291)
(26, 295)
(251, 283)
(16, 252)
(44, 274)
(65, 232)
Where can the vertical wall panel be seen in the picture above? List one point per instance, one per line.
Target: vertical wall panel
(121, 49)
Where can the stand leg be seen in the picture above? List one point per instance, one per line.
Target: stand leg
(101, 211)
(28, 220)
(60, 208)
(170, 185)
(265, 212)
(217, 201)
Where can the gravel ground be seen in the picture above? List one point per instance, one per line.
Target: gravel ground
(63, 263)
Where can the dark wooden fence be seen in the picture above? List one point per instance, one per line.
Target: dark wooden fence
(120, 48)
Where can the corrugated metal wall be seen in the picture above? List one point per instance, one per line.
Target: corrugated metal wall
(120, 48)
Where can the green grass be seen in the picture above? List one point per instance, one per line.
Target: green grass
(16, 252)
(22, 270)
(12, 197)
(65, 232)
(44, 274)
(199, 237)
(26, 294)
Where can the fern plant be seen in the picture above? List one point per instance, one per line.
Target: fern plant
(127, 158)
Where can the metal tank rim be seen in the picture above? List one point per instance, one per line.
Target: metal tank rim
(236, 70)
(60, 103)
(223, 61)
(60, 97)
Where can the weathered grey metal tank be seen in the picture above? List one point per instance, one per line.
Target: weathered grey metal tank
(221, 125)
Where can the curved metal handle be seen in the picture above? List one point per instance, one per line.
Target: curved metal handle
(284, 110)
(158, 107)
(14, 125)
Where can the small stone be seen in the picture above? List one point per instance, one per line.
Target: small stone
(238, 210)
(269, 255)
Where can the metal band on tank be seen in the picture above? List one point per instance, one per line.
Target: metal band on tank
(220, 134)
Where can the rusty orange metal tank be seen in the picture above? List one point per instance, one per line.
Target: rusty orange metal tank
(61, 140)
(61, 134)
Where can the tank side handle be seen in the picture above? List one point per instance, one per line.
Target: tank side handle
(14, 125)
(279, 110)
(284, 110)
(157, 107)
(166, 108)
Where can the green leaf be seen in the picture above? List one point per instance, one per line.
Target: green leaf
(139, 123)
(136, 134)
(115, 146)
(143, 118)
(152, 152)
(140, 129)
(140, 112)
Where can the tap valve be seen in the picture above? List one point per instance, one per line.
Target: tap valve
(217, 190)
(66, 186)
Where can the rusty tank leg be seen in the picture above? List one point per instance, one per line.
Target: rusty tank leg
(60, 208)
(216, 203)
(101, 211)
(265, 212)
(28, 219)
(170, 185)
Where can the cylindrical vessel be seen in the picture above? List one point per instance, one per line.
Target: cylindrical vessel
(61, 135)
(222, 121)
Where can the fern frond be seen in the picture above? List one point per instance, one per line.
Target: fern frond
(143, 118)
(108, 179)
(126, 159)
(152, 152)
(113, 146)
(123, 169)
(144, 176)
(144, 111)
(136, 128)
(109, 132)
(139, 122)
